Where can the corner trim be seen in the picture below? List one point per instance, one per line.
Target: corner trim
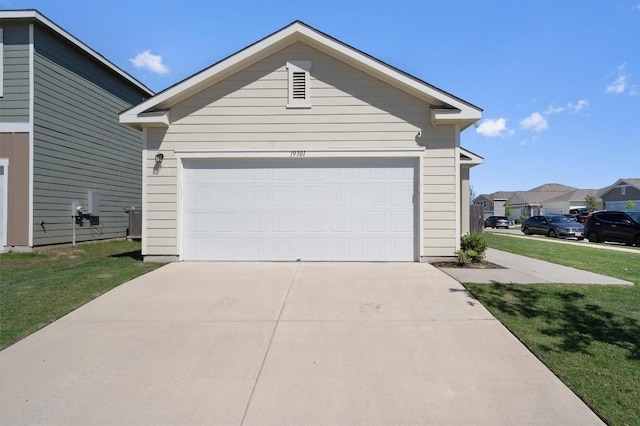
(4, 162)
(31, 129)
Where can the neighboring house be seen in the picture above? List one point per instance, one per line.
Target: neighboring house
(493, 204)
(60, 139)
(532, 202)
(570, 200)
(302, 147)
(618, 195)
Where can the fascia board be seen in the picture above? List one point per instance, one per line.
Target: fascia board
(381, 70)
(37, 16)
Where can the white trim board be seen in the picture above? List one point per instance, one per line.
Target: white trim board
(4, 162)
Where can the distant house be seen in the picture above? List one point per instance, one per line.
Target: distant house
(547, 198)
(618, 195)
(60, 139)
(493, 204)
(302, 147)
(570, 200)
(533, 202)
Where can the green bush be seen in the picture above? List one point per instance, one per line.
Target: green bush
(472, 248)
(521, 219)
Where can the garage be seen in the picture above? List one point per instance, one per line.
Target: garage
(310, 209)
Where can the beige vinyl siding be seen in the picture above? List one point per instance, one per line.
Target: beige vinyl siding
(160, 216)
(349, 109)
(439, 198)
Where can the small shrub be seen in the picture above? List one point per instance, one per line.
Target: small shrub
(472, 249)
(521, 219)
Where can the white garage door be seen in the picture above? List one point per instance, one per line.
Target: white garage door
(307, 209)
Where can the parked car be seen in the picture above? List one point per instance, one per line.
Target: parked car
(614, 226)
(497, 222)
(580, 214)
(553, 225)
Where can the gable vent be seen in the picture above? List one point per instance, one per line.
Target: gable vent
(299, 86)
(299, 96)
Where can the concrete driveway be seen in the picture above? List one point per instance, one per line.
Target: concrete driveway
(282, 344)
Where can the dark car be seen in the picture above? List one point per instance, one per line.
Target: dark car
(497, 222)
(614, 226)
(553, 225)
(580, 214)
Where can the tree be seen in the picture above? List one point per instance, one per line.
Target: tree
(508, 210)
(472, 195)
(631, 205)
(591, 202)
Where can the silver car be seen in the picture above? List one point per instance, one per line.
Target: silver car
(497, 222)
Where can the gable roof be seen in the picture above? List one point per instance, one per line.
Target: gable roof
(552, 187)
(446, 108)
(577, 195)
(635, 182)
(34, 15)
(469, 159)
(498, 195)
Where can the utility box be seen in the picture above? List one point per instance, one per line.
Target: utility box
(93, 207)
(135, 224)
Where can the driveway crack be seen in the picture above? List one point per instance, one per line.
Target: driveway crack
(273, 333)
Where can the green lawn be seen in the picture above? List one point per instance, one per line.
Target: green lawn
(588, 335)
(38, 288)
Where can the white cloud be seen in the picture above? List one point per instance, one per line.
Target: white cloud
(493, 128)
(535, 122)
(578, 106)
(149, 61)
(553, 110)
(620, 84)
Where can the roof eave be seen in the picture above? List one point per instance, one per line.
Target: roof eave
(147, 119)
(472, 159)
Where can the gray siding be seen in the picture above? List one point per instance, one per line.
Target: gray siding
(79, 146)
(615, 194)
(14, 104)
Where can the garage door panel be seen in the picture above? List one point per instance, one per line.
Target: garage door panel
(351, 209)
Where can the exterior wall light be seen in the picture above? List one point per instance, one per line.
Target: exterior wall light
(159, 158)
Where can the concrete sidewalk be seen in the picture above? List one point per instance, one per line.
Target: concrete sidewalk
(526, 270)
(214, 343)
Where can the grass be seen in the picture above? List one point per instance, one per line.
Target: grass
(38, 288)
(589, 336)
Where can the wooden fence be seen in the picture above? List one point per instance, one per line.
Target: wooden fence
(476, 218)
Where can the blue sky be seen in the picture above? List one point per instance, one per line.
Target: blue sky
(559, 81)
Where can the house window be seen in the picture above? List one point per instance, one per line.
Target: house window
(299, 90)
(623, 190)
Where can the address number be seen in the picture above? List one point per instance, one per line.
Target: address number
(298, 153)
